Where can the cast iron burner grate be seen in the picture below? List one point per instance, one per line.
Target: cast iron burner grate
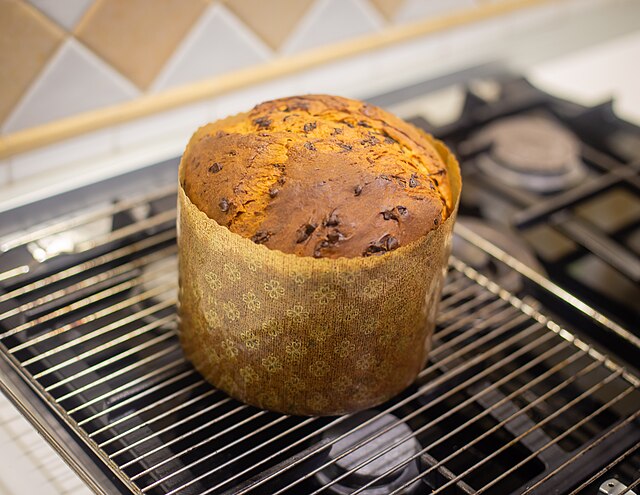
(509, 402)
(561, 177)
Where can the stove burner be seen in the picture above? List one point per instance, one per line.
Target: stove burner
(377, 467)
(505, 240)
(532, 153)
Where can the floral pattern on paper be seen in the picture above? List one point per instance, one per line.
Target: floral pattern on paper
(343, 384)
(231, 271)
(295, 349)
(272, 328)
(318, 401)
(274, 289)
(319, 368)
(231, 311)
(212, 318)
(254, 265)
(299, 278)
(213, 281)
(250, 340)
(345, 348)
(346, 277)
(365, 362)
(324, 295)
(271, 364)
(298, 314)
(252, 301)
(373, 289)
(249, 375)
(230, 348)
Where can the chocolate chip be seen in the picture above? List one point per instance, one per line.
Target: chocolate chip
(368, 110)
(332, 220)
(371, 141)
(346, 147)
(390, 140)
(310, 146)
(297, 105)
(385, 243)
(413, 182)
(224, 205)
(390, 215)
(261, 236)
(317, 252)
(362, 123)
(281, 180)
(334, 237)
(310, 126)
(432, 186)
(384, 177)
(391, 243)
(436, 221)
(215, 168)
(349, 124)
(336, 131)
(371, 250)
(402, 210)
(273, 192)
(357, 190)
(304, 232)
(263, 122)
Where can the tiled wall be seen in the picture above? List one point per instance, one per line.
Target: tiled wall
(63, 57)
(60, 58)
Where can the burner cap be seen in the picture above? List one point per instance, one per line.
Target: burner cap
(533, 153)
(377, 467)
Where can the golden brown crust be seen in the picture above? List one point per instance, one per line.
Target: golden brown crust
(318, 176)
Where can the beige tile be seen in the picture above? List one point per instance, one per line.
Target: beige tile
(271, 20)
(138, 36)
(389, 8)
(27, 41)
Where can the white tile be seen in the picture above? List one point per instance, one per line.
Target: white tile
(67, 13)
(414, 10)
(73, 81)
(64, 153)
(219, 42)
(5, 174)
(244, 99)
(173, 124)
(330, 21)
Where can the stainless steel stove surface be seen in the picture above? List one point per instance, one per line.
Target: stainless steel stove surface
(526, 390)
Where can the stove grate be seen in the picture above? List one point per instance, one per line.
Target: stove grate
(509, 402)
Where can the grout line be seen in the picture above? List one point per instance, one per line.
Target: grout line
(153, 103)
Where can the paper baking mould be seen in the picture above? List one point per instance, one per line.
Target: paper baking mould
(308, 336)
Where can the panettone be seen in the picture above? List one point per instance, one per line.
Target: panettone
(313, 234)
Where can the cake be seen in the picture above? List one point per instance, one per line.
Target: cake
(319, 176)
(313, 239)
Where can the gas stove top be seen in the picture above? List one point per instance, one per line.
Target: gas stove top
(528, 388)
(561, 181)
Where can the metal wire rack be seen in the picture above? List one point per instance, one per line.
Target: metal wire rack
(509, 402)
